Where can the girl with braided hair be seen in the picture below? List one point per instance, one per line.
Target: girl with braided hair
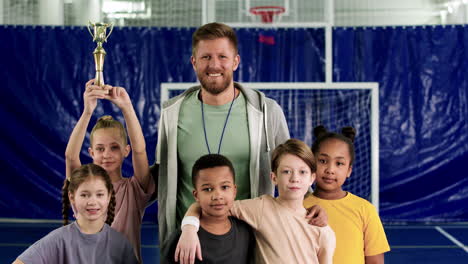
(360, 237)
(108, 149)
(89, 239)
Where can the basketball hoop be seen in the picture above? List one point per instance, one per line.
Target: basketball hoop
(267, 12)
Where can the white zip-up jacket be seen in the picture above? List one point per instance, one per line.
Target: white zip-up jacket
(267, 129)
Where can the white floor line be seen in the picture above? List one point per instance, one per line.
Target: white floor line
(451, 238)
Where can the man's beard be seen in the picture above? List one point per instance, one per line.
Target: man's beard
(214, 88)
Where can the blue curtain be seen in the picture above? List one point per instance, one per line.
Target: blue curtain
(423, 102)
(44, 70)
(423, 78)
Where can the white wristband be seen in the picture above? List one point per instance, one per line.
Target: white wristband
(191, 220)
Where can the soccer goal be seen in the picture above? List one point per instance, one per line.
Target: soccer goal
(333, 105)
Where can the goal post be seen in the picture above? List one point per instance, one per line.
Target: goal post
(334, 105)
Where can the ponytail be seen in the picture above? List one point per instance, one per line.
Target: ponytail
(349, 132)
(320, 131)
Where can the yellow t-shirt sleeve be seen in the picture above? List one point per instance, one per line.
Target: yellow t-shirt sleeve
(375, 240)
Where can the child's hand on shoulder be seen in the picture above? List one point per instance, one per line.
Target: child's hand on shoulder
(317, 216)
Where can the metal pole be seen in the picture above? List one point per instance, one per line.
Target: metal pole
(329, 41)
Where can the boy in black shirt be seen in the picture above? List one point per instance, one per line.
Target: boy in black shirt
(223, 239)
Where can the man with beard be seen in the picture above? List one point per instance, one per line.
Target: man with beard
(218, 117)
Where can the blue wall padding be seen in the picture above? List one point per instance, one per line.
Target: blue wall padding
(423, 78)
(422, 73)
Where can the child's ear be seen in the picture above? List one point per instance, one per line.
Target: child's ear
(195, 195)
(127, 150)
(71, 198)
(235, 191)
(273, 178)
(313, 176)
(91, 152)
(350, 169)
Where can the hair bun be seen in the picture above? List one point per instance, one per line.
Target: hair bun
(319, 131)
(106, 118)
(349, 132)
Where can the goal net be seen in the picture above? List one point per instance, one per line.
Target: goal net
(333, 105)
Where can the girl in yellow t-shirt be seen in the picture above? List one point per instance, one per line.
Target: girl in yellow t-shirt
(360, 237)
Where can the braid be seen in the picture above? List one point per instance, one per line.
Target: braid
(111, 209)
(65, 202)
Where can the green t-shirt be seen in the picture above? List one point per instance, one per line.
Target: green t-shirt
(191, 144)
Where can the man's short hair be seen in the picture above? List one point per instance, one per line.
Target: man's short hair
(211, 161)
(214, 31)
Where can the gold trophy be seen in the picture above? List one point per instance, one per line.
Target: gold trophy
(99, 36)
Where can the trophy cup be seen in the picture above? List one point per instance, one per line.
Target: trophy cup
(99, 36)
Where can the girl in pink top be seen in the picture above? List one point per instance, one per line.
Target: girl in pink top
(108, 149)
